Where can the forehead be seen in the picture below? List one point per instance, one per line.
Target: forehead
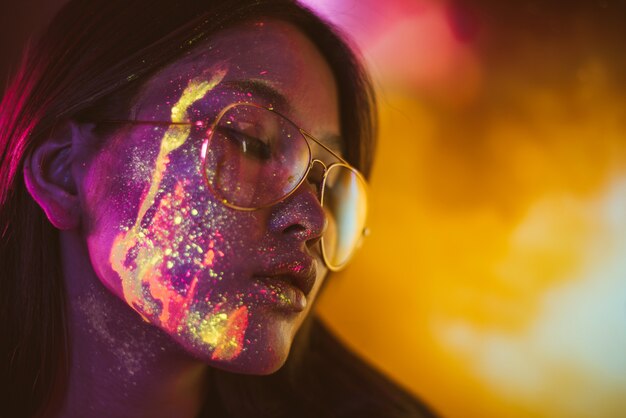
(269, 52)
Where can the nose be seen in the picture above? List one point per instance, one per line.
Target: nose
(300, 217)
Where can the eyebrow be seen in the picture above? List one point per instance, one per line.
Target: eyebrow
(260, 88)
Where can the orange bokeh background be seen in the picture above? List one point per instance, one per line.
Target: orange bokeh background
(494, 281)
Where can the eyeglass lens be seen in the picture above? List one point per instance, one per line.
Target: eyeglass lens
(344, 197)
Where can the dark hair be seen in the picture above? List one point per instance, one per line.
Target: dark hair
(95, 54)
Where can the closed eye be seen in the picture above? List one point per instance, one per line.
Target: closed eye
(249, 145)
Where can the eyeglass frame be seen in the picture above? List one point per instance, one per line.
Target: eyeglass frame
(306, 136)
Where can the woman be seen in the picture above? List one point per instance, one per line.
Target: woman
(177, 180)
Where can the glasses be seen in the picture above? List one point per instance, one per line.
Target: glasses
(254, 157)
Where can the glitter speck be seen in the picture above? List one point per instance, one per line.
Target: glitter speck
(194, 212)
(178, 220)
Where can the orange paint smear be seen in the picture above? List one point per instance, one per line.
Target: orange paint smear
(231, 341)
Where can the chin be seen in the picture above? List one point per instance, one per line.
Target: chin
(261, 350)
(252, 360)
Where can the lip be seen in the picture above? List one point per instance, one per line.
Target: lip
(281, 293)
(289, 282)
(298, 271)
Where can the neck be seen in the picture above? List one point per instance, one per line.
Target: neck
(120, 365)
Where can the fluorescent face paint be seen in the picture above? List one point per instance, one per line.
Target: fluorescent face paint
(148, 255)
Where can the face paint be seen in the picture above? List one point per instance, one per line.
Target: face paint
(147, 255)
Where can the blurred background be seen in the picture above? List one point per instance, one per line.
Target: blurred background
(494, 281)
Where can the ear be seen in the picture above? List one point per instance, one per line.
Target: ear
(49, 179)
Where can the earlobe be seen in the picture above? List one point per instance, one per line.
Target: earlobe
(49, 178)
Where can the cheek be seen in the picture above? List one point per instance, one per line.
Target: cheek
(173, 253)
(172, 261)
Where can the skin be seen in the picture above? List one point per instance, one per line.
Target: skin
(164, 281)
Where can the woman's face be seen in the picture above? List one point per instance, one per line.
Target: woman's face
(232, 287)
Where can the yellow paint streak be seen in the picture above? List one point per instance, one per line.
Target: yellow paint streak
(176, 135)
(211, 329)
(221, 330)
